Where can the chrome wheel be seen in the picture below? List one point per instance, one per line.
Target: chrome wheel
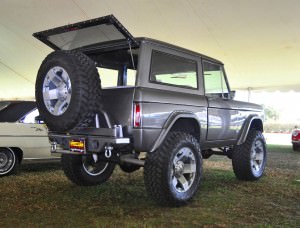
(257, 157)
(7, 161)
(93, 166)
(57, 90)
(184, 170)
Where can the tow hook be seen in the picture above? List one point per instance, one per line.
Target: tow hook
(108, 150)
(53, 146)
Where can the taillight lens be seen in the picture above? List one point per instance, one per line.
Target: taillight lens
(137, 115)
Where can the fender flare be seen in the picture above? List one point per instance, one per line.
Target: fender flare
(176, 115)
(246, 127)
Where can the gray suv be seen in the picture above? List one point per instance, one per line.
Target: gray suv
(170, 108)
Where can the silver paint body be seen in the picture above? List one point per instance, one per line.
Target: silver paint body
(217, 121)
(222, 120)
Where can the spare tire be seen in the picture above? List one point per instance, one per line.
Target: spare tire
(67, 90)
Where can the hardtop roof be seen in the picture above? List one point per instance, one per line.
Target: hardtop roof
(99, 33)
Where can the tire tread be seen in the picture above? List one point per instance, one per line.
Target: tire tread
(156, 166)
(241, 157)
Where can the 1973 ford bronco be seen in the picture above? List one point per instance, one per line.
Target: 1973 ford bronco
(168, 109)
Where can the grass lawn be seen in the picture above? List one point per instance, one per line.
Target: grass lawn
(41, 196)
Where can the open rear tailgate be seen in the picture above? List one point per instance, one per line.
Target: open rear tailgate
(85, 34)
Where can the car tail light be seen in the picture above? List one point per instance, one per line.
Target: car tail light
(137, 115)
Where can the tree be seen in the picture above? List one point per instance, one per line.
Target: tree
(271, 113)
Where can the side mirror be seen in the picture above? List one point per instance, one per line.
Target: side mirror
(232, 94)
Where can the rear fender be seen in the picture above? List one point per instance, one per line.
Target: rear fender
(171, 121)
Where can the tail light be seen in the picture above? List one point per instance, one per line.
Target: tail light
(137, 115)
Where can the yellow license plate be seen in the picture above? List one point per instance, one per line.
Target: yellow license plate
(77, 145)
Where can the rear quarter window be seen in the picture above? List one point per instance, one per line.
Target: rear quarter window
(173, 70)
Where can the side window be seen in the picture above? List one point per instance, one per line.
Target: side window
(109, 77)
(131, 76)
(30, 117)
(173, 70)
(214, 79)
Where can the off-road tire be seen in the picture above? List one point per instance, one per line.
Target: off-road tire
(241, 157)
(85, 96)
(73, 168)
(5, 167)
(159, 168)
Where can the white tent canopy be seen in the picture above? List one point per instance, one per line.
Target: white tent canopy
(259, 40)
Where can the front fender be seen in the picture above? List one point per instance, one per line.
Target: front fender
(176, 115)
(252, 120)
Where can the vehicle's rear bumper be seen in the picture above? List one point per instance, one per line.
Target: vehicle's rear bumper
(296, 142)
(96, 140)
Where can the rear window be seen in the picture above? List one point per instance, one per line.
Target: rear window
(117, 68)
(114, 77)
(173, 70)
(83, 37)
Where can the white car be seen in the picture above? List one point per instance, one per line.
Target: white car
(22, 137)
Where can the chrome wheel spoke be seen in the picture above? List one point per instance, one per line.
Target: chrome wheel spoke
(183, 182)
(189, 168)
(257, 157)
(93, 166)
(184, 152)
(54, 78)
(95, 157)
(90, 168)
(59, 105)
(256, 166)
(174, 181)
(50, 94)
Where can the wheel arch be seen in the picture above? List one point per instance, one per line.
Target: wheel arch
(252, 122)
(179, 121)
(18, 152)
